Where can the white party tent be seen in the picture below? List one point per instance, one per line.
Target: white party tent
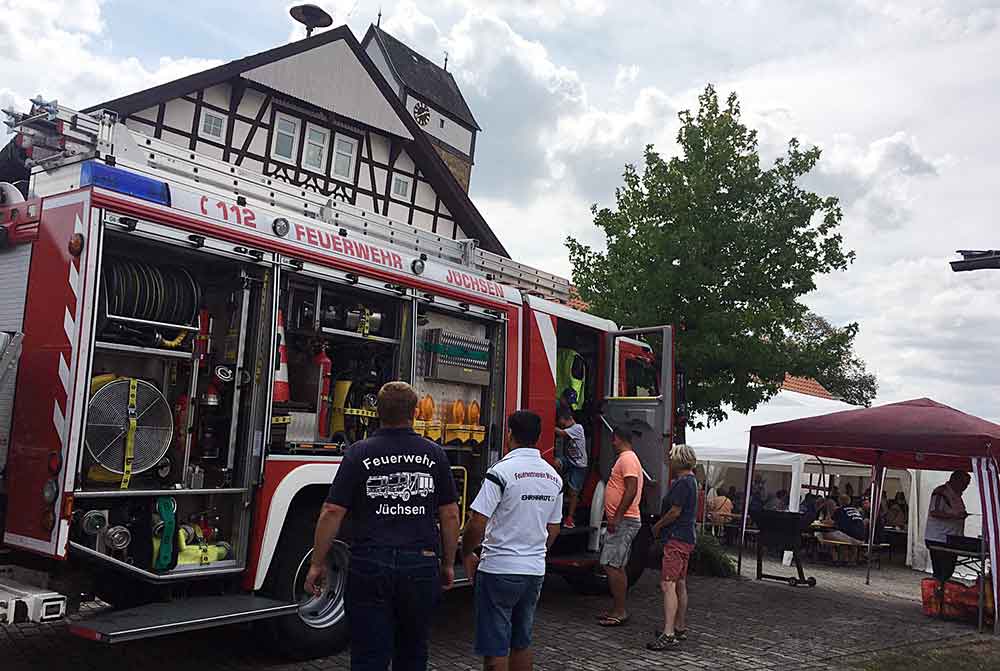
(725, 444)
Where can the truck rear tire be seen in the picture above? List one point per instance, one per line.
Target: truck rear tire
(596, 582)
(319, 629)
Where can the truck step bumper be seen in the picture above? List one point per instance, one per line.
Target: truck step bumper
(160, 619)
(25, 603)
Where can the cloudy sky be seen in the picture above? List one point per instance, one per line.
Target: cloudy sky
(902, 97)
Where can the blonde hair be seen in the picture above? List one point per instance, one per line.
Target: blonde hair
(682, 456)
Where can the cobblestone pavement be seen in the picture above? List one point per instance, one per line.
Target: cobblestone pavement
(735, 624)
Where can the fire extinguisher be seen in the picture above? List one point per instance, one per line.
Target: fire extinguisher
(322, 361)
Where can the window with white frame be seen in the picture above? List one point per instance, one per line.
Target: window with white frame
(345, 150)
(212, 125)
(286, 138)
(401, 187)
(317, 144)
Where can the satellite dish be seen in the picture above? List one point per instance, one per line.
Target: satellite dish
(311, 17)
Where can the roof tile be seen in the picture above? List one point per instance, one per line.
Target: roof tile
(805, 385)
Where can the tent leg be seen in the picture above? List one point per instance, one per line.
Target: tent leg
(751, 460)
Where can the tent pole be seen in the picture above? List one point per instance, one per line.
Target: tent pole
(751, 460)
(987, 475)
(878, 480)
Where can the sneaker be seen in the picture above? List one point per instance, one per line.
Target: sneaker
(569, 523)
(663, 642)
(681, 634)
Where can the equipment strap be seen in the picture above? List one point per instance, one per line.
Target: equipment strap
(167, 509)
(129, 434)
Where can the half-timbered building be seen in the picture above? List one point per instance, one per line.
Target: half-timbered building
(320, 114)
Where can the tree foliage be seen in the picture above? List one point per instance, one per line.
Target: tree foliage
(725, 249)
(826, 354)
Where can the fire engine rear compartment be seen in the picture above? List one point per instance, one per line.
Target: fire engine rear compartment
(178, 381)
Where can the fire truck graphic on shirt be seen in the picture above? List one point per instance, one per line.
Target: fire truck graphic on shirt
(399, 485)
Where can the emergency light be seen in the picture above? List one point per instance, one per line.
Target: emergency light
(95, 173)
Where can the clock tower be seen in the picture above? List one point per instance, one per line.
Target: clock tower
(431, 95)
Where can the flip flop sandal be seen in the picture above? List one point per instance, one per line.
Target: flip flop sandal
(612, 621)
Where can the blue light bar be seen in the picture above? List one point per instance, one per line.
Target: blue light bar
(95, 173)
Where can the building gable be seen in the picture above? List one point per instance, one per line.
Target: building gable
(331, 76)
(260, 87)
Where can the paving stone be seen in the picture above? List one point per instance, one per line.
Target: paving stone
(734, 624)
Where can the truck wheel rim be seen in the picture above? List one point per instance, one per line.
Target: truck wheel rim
(327, 609)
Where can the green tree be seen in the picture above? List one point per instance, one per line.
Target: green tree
(719, 246)
(826, 354)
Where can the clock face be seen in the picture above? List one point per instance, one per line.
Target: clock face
(422, 113)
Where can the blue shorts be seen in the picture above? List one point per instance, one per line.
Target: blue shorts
(505, 612)
(573, 476)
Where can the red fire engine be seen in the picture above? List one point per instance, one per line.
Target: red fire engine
(189, 349)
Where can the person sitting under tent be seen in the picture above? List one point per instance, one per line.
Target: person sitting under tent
(899, 513)
(777, 502)
(849, 533)
(825, 510)
(809, 508)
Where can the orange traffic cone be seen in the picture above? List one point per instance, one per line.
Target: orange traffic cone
(281, 392)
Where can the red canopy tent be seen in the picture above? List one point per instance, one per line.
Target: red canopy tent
(919, 434)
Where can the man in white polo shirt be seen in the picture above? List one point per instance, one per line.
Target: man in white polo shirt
(515, 518)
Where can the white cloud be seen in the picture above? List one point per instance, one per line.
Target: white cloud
(482, 43)
(877, 183)
(537, 229)
(543, 14)
(625, 75)
(55, 49)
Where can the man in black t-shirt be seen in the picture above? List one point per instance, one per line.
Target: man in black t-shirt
(850, 531)
(396, 486)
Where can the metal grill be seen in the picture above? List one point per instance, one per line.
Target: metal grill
(107, 424)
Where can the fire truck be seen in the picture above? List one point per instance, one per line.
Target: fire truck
(188, 350)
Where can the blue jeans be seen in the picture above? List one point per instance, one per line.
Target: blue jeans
(391, 597)
(505, 612)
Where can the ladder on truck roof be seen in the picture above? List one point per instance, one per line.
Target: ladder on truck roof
(55, 136)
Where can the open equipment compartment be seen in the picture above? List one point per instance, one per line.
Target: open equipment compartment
(459, 377)
(344, 339)
(178, 378)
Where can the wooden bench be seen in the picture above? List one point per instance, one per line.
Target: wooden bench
(877, 549)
